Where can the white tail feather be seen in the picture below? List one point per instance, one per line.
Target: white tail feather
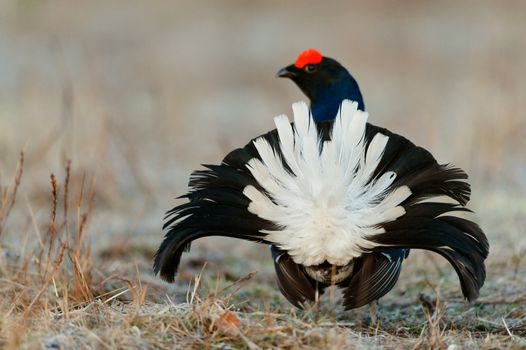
(327, 205)
(286, 138)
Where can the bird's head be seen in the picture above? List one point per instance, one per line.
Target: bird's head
(325, 82)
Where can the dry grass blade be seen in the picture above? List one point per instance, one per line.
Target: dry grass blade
(432, 335)
(9, 197)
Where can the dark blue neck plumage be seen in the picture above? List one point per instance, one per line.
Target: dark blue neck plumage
(325, 104)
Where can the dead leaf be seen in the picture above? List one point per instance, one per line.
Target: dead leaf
(228, 323)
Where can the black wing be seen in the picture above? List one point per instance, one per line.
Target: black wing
(293, 282)
(374, 275)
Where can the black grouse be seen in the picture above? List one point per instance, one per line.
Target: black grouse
(340, 201)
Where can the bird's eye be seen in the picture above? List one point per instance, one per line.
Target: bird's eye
(310, 68)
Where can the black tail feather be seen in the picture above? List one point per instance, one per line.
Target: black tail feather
(428, 223)
(202, 220)
(436, 180)
(460, 241)
(216, 207)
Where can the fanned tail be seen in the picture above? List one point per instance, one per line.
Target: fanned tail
(393, 195)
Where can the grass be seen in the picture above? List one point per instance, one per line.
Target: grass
(59, 293)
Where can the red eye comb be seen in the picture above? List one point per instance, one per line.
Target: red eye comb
(309, 56)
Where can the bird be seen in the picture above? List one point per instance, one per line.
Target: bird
(340, 201)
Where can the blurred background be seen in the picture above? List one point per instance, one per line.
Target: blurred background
(137, 94)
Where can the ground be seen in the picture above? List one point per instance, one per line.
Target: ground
(107, 106)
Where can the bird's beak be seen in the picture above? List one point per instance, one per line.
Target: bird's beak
(287, 72)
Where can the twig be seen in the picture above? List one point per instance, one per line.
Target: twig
(506, 326)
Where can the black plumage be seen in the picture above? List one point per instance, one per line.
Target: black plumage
(217, 206)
